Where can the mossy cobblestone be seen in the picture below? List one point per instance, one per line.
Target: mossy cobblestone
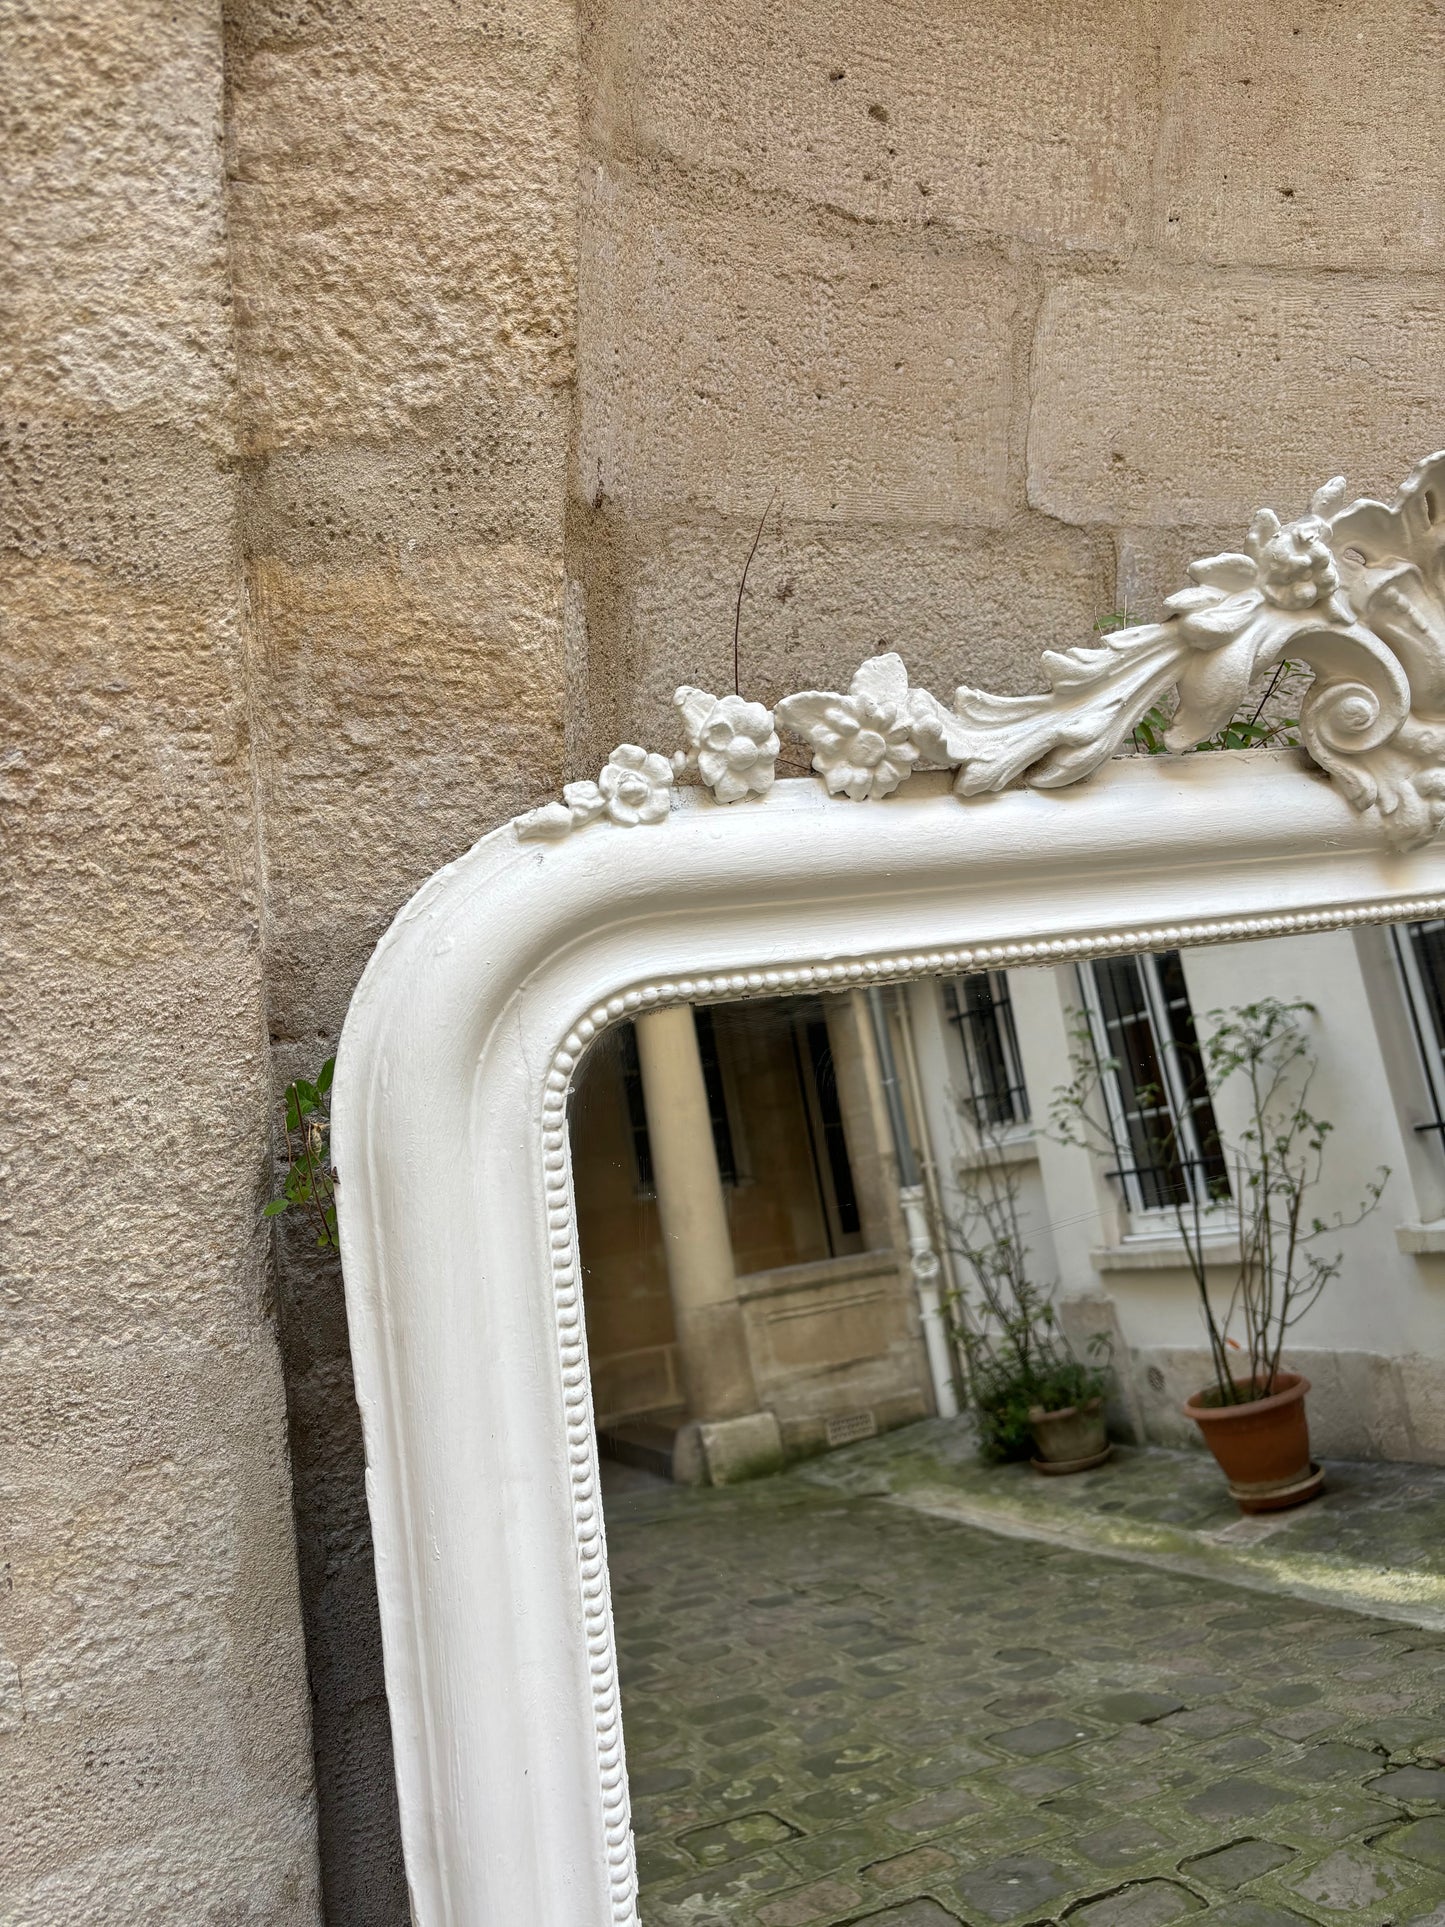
(841, 1708)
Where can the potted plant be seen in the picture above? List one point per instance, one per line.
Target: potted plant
(1252, 1415)
(1066, 1418)
(1033, 1396)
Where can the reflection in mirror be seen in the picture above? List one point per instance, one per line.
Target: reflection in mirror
(846, 1261)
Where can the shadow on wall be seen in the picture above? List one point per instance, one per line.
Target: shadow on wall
(362, 1876)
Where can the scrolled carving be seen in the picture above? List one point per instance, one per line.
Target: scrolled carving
(1353, 592)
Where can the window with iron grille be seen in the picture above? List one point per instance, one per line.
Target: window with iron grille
(1420, 954)
(1161, 1118)
(981, 1010)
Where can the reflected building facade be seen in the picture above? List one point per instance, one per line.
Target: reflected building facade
(746, 1257)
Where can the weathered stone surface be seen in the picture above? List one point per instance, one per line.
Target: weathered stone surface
(113, 252)
(1146, 1903)
(715, 1588)
(1031, 120)
(488, 471)
(1285, 140)
(155, 1755)
(959, 606)
(407, 710)
(723, 358)
(1352, 1880)
(371, 157)
(1162, 398)
(403, 236)
(1154, 563)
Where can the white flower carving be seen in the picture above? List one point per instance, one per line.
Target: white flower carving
(635, 785)
(863, 742)
(733, 741)
(1288, 566)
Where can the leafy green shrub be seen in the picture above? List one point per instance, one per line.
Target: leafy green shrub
(1017, 1354)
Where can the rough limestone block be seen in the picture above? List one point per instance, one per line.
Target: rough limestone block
(153, 1707)
(407, 711)
(113, 253)
(1294, 135)
(1033, 120)
(403, 216)
(1422, 1383)
(245, 1866)
(402, 219)
(488, 471)
(1191, 398)
(1153, 564)
(726, 353)
(957, 605)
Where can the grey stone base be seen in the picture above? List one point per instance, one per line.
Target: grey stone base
(1361, 1406)
(724, 1451)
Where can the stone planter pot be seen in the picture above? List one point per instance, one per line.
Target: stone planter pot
(1263, 1445)
(1070, 1440)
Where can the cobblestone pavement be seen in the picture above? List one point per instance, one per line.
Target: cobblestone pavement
(1376, 1540)
(842, 1709)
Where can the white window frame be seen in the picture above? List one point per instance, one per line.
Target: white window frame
(1150, 1218)
(1425, 1026)
(1019, 1122)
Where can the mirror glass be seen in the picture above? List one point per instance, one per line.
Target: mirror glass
(940, 1597)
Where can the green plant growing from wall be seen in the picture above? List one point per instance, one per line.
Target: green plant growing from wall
(310, 1181)
(1270, 1169)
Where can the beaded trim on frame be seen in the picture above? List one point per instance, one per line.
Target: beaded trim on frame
(739, 985)
(1353, 593)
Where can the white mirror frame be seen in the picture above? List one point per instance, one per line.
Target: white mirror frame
(450, 1099)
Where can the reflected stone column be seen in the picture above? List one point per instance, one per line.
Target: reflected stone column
(729, 1437)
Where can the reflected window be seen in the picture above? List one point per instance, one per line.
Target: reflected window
(981, 1010)
(777, 1127)
(1161, 1119)
(827, 1137)
(1420, 954)
(717, 1104)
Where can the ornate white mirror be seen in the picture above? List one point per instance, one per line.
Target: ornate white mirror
(914, 860)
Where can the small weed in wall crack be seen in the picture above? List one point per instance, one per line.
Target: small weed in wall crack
(310, 1180)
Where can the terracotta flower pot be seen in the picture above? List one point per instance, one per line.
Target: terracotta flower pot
(1263, 1445)
(1070, 1440)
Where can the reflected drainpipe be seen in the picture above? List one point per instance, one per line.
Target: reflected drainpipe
(911, 1198)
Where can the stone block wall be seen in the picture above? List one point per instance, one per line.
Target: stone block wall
(285, 451)
(154, 1743)
(1011, 310)
(402, 230)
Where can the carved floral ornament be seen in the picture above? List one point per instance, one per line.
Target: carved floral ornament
(1355, 593)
